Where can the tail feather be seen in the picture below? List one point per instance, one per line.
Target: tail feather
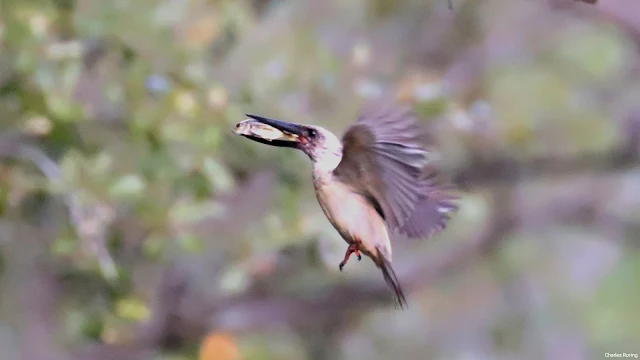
(392, 280)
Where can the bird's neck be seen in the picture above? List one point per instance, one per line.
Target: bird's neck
(324, 164)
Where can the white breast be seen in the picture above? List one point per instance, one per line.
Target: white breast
(352, 216)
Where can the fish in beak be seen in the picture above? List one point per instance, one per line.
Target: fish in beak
(269, 131)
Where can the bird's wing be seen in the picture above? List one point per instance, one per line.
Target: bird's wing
(433, 209)
(383, 160)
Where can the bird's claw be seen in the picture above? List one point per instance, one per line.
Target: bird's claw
(350, 250)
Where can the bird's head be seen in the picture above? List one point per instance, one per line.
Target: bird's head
(320, 144)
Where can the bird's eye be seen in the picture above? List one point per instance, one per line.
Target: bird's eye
(311, 133)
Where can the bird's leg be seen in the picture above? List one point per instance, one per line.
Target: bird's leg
(353, 248)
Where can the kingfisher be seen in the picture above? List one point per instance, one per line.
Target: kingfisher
(373, 182)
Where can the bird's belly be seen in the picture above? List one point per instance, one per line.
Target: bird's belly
(353, 217)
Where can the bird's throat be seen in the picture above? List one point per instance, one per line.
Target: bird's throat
(325, 164)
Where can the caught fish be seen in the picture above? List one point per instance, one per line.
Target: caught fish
(254, 128)
(258, 131)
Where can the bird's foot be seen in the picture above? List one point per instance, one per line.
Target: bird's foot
(351, 249)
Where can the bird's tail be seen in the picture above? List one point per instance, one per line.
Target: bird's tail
(392, 280)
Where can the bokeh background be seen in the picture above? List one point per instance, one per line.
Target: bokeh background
(134, 225)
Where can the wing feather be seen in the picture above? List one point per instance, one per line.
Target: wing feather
(385, 161)
(433, 210)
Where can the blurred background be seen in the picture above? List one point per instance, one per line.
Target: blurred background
(134, 225)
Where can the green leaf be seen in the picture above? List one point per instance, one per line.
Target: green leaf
(130, 185)
(132, 309)
(64, 246)
(191, 243)
(220, 179)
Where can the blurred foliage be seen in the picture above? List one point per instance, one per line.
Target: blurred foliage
(122, 187)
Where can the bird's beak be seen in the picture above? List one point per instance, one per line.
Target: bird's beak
(270, 131)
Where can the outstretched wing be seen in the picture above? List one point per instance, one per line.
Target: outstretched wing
(433, 209)
(384, 160)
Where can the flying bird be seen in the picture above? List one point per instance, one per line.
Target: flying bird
(373, 182)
